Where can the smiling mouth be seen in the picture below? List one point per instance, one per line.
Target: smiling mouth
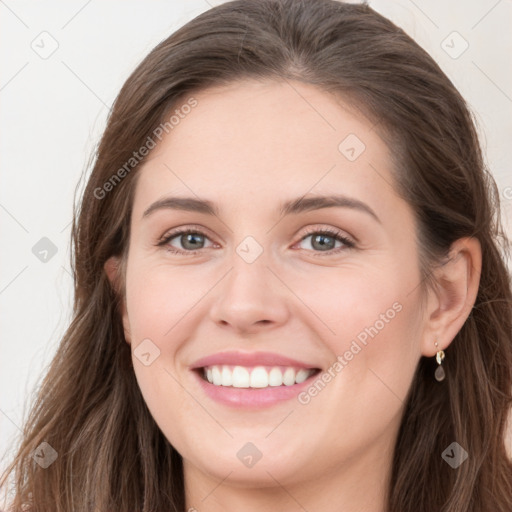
(257, 377)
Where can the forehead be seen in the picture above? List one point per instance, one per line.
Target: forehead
(266, 139)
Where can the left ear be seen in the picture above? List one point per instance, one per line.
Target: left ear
(450, 304)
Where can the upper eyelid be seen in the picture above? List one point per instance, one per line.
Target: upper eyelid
(189, 227)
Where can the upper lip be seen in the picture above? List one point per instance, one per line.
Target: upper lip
(249, 359)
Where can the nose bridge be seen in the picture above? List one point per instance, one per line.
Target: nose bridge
(249, 293)
(249, 277)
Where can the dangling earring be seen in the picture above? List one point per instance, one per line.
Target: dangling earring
(439, 374)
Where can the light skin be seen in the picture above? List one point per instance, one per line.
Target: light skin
(249, 147)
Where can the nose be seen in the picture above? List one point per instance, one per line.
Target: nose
(250, 298)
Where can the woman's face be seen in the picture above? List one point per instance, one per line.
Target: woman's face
(261, 275)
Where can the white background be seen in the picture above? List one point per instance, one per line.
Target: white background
(53, 111)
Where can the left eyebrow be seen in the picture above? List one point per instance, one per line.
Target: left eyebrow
(303, 204)
(291, 207)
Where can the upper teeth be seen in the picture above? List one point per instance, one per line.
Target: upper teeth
(257, 377)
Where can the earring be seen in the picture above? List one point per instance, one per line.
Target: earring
(439, 374)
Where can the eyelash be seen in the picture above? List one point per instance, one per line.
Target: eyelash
(326, 231)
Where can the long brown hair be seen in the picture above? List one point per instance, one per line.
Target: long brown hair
(111, 454)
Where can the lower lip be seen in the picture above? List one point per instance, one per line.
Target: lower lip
(252, 397)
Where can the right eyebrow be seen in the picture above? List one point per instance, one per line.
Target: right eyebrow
(183, 203)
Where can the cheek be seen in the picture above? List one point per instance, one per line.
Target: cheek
(375, 350)
(359, 304)
(157, 305)
(159, 297)
(371, 326)
(162, 307)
